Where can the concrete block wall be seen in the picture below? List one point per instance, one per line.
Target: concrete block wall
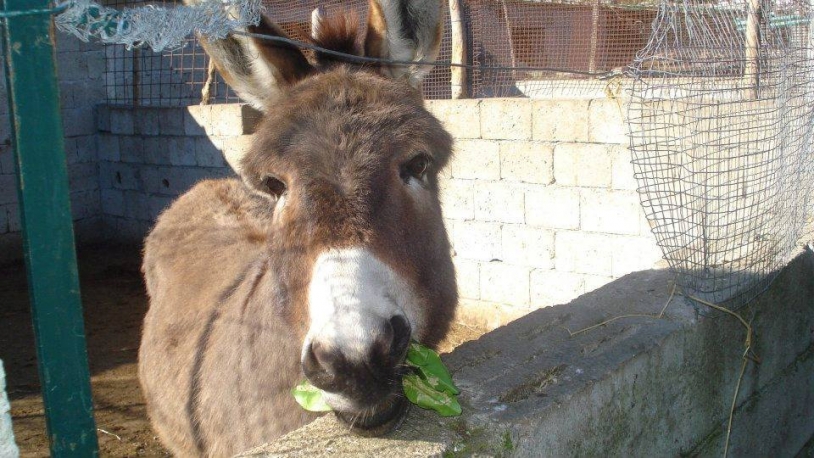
(148, 156)
(539, 201)
(80, 68)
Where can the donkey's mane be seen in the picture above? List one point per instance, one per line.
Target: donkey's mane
(337, 33)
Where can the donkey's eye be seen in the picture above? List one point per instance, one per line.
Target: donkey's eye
(273, 186)
(415, 167)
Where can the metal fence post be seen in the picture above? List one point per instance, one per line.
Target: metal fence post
(47, 225)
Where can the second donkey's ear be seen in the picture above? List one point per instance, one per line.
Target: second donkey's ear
(405, 30)
(257, 70)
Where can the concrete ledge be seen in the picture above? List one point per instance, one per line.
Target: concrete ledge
(635, 386)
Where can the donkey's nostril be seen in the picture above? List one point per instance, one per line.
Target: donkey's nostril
(401, 337)
(317, 365)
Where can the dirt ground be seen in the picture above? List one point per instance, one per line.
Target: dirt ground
(114, 305)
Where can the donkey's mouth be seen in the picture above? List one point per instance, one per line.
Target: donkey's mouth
(381, 419)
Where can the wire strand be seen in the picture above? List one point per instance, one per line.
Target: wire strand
(375, 60)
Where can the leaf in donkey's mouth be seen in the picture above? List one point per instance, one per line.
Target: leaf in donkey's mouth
(429, 386)
(310, 397)
(424, 395)
(429, 365)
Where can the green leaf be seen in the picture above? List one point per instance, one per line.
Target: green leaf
(429, 387)
(431, 368)
(310, 397)
(422, 394)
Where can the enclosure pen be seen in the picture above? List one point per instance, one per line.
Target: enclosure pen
(45, 215)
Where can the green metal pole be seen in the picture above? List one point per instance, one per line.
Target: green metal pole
(47, 225)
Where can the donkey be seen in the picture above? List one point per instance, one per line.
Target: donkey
(323, 261)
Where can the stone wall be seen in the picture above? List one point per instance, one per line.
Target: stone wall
(539, 201)
(80, 68)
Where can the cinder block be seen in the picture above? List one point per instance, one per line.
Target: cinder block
(594, 282)
(78, 121)
(84, 204)
(6, 160)
(560, 120)
(528, 246)
(461, 118)
(8, 189)
(171, 121)
(72, 66)
(505, 284)
(5, 129)
(553, 208)
(198, 120)
(234, 148)
(96, 65)
(109, 148)
(87, 149)
(147, 121)
(581, 164)
(607, 121)
(103, 118)
(552, 287)
(226, 120)
(136, 206)
(182, 150)
(131, 149)
(506, 119)
(527, 162)
(611, 212)
(582, 252)
(477, 241)
(125, 176)
(156, 181)
(112, 202)
(476, 159)
(499, 201)
(121, 121)
(632, 254)
(458, 199)
(467, 274)
(208, 152)
(622, 169)
(157, 150)
(83, 176)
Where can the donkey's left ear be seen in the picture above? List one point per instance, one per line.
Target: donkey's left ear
(405, 30)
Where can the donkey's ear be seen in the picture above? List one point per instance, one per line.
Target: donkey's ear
(405, 30)
(258, 70)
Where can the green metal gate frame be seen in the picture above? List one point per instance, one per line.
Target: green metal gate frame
(45, 215)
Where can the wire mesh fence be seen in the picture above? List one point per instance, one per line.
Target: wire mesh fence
(515, 48)
(721, 124)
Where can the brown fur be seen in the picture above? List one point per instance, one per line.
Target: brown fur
(227, 270)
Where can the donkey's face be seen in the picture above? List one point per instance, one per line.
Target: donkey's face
(348, 161)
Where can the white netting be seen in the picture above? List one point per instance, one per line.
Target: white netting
(157, 27)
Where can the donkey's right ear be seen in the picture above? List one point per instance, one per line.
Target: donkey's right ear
(257, 70)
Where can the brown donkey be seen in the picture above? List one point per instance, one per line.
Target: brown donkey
(323, 262)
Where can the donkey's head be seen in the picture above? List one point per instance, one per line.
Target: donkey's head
(347, 160)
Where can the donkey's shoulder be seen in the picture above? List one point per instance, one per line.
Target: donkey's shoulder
(215, 227)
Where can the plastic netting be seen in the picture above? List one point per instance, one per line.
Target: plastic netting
(721, 132)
